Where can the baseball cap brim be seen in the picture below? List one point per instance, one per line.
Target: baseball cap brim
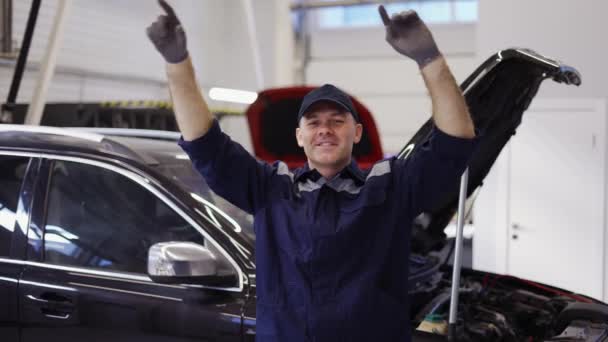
(331, 94)
(306, 109)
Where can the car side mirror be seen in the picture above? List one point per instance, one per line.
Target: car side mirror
(182, 263)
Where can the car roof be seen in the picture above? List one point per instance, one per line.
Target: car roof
(135, 144)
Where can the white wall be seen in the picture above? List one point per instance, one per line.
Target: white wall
(360, 61)
(229, 60)
(275, 41)
(572, 31)
(100, 38)
(568, 30)
(106, 41)
(106, 55)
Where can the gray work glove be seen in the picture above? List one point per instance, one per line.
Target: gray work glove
(168, 36)
(410, 36)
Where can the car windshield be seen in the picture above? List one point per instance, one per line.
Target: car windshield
(177, 167)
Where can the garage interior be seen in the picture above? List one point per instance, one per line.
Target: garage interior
(541, 213)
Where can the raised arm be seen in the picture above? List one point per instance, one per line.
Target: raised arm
(410, 36)
(192, 114)
(229, 170)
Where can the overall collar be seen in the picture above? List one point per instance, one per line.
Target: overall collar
(351, 171)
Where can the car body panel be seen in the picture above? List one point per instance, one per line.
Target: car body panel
(9, 319)
(76, 305)
(11, 265)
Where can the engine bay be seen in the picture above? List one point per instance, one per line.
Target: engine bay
(504, 308)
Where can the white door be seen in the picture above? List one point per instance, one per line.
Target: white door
(556, 199)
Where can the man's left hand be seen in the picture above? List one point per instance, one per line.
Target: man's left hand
(410, 36)
(167, 35)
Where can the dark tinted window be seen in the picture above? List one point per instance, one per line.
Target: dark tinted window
(100, 218)
(12, 171)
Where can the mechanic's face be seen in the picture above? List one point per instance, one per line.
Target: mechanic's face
(327, 134)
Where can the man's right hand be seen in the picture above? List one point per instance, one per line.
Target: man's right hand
(168, 36)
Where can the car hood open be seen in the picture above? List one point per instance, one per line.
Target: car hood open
(497, 94)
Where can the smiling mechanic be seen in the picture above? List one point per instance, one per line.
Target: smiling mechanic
(332, 241)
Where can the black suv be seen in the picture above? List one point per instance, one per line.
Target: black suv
(79, 213)
(111, 235)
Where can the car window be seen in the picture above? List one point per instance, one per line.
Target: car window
(182, 173)
(12, 173)
(99, 218)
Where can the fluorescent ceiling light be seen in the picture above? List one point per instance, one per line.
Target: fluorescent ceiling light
(232, 95)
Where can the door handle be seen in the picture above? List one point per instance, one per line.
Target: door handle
(55, 315)
(51, 299)
(36, 299)
(53, 305)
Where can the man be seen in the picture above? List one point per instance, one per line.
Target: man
(332, 241)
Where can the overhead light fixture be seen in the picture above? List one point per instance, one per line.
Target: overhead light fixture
(232, 95)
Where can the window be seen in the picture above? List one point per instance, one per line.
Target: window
(431, 11)
(102, 219)
(12, 173)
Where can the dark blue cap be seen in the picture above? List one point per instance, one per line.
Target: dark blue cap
(329, 93)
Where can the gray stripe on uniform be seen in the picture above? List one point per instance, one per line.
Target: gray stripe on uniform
(282, 169)
(380, 169)
(308, 186)
(344, 184)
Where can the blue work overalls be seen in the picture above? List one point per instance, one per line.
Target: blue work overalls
(331, 255)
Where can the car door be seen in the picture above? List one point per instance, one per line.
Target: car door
(14, 203)
(86, 274)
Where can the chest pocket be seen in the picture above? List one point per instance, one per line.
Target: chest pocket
(351, 203)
